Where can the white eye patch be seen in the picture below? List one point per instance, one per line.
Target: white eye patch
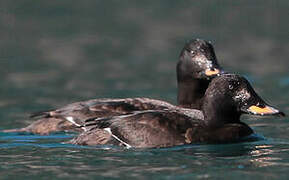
(242, 95)
(202, 60)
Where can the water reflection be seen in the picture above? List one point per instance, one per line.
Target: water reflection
(268, 155)
(261, 151)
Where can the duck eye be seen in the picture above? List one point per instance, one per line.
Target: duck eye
(231, 86)
(193, 52)
(234, 85)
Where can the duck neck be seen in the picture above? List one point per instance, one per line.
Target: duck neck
(191, 92)
(217, 113)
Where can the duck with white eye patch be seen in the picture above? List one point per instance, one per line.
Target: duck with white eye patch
(196, 67)
(218, 122)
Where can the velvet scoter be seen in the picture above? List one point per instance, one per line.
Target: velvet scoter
(227, 97)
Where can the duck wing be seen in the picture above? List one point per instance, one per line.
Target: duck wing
(150, 128)
(72, 116)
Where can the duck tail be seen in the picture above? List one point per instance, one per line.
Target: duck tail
(14, 130)
(44, 114)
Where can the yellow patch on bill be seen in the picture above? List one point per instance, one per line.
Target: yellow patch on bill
(264, 110)
(209, 72)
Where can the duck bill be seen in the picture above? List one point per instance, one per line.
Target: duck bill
(263, 110)
(213, 72)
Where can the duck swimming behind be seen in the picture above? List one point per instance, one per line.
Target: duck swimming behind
(196, 67)
(227, 97)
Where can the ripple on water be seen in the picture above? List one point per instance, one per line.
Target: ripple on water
(47, 155)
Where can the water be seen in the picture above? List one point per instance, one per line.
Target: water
(57, 52)
(46, 157)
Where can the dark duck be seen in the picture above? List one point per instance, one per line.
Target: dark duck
(196, 67)
(227, 97)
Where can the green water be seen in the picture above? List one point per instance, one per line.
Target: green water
(56, 52)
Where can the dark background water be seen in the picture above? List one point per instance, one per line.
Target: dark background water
(57, 52)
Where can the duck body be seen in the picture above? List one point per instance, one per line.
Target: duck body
(227, 97)
(159, 128)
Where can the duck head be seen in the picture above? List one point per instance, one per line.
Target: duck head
(230, 95)
(198, 61)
